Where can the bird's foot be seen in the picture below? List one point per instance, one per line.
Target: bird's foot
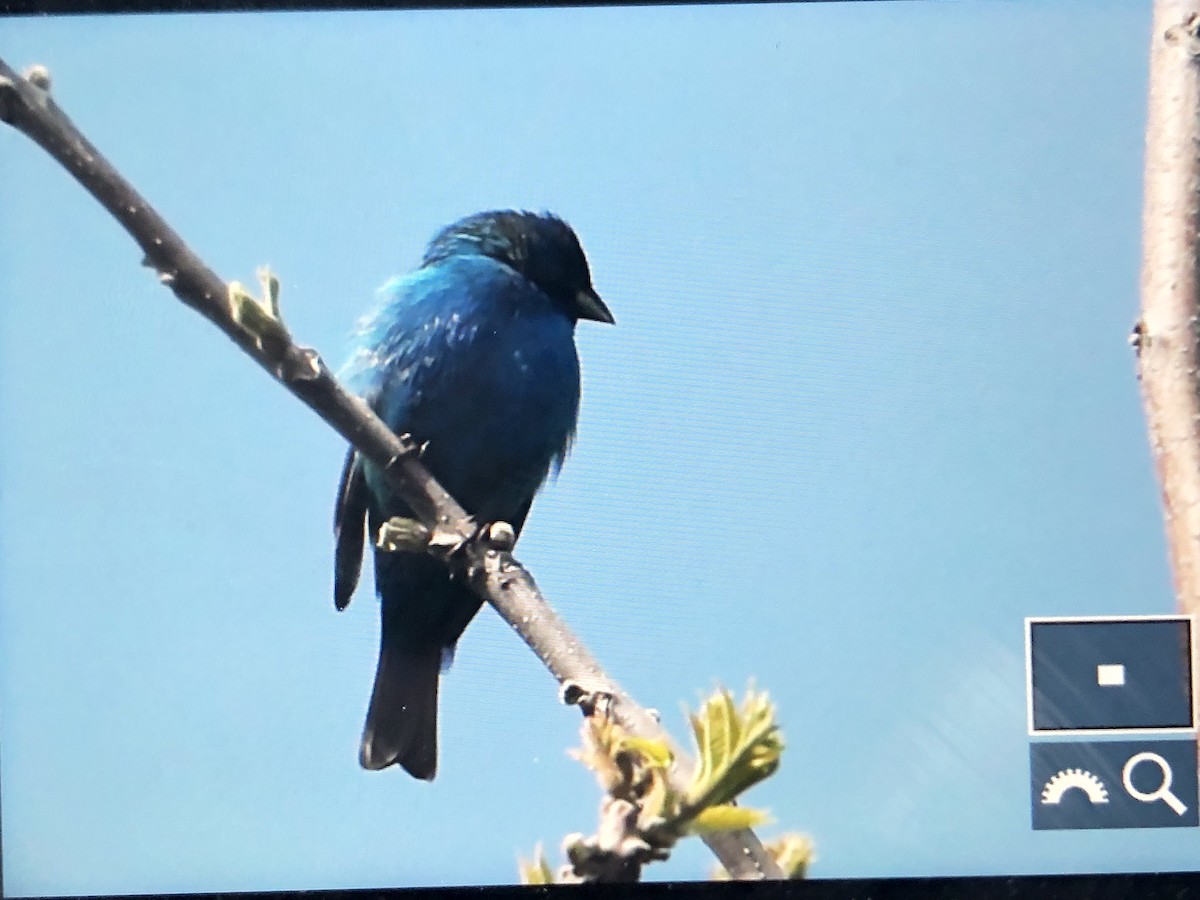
(402, 534)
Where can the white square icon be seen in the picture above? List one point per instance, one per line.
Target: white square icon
(1110, 675)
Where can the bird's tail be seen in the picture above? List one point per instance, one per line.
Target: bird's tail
(402, 718)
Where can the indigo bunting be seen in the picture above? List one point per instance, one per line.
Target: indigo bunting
(473, 355)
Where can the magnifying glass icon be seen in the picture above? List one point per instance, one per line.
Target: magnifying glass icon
(1162, 792)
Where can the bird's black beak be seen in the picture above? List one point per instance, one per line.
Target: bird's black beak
(589, 306)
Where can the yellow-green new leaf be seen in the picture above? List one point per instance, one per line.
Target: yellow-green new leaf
(270, 288)
(600, 740)
(259, 318)
(737, 747)
(537, 870)
(794, 853)
(654, 753)
(726, 818)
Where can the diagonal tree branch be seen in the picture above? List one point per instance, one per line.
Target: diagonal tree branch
(26, 104)
(1167, 338)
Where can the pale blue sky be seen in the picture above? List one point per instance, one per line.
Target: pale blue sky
(868, 404)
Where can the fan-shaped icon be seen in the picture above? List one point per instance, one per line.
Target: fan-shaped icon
(1063, 781)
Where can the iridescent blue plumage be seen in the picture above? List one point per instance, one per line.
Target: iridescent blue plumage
(473, 354)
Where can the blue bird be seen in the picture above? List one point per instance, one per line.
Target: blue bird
(473, 355)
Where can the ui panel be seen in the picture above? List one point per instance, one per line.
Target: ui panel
(1112, 722)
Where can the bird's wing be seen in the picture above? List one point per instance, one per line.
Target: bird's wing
(349, 528)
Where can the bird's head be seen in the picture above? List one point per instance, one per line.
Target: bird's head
(541, 247)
